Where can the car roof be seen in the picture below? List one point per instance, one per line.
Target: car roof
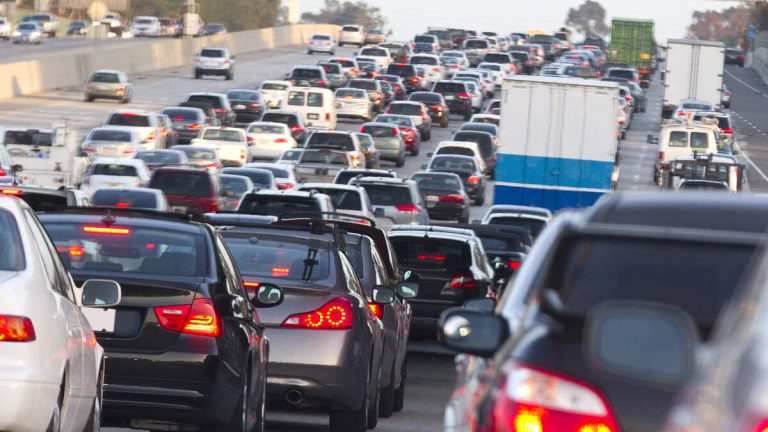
(118, 161)
(310, 186)
(447, 233)
(138, 218)
(290, 193)
(395, 181)
(185, 168)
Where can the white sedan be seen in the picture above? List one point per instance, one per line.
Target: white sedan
(231, 144)
(51, 372)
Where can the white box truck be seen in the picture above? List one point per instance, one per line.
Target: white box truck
(694, 70)
(559, 141)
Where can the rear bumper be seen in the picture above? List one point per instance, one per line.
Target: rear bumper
(445, 211)
(247, 116)
(460, 105)
(392, 155)
(327, 367)
(212, 71)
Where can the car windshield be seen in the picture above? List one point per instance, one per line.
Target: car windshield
(388, 195)
(437, 181)
(266, 129)
(534, 226)
(243, 95)
(124, 199)
(408, 109)
(430, 253)
(191, 184)
(231, 135)
(453, 163)
(27, 26)
(160, 157)
(110, 135)
(129, 119)
(131, 249)
(287, 258)
(696, 277)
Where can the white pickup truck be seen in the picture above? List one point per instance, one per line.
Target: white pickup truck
(50, 158)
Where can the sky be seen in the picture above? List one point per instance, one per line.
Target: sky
(409, 17)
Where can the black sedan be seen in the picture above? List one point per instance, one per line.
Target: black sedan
(443, 195)
(248, 105)
(436, 106)
(467, 169)
(185, 347)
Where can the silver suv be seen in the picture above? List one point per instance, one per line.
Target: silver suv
(215, 61)
(395, 200)
(46, 21)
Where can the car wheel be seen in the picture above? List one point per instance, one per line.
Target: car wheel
(462, 220)
(352, 421)
(400, 162)
(89, 98)
(94, 419)
(468, 115)
(310, 52)
(415, 152)
(444, 122)
(55, 424)
(480, 201)
(624, 134)
(230, 75)
(262, 413)
(239, 420)
(428, 135)
(197, 75)
(387, 398)
(333, 52)
(399, 402)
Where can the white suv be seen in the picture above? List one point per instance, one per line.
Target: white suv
(215, 61)
(5, 28)
(352, 35)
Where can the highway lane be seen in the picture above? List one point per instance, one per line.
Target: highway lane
(54, 46)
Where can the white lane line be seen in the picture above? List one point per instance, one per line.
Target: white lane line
(759, 171)
(746, 85)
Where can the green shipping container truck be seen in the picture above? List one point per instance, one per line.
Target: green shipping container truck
(632, 42)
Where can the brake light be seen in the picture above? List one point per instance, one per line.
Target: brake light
(741, 57)
(280, 271)
(193, 126)
(514, 265)
(661, 155)
(407, 208)
(321, 83)
(452, 198)
(251, 285)
(431, 258)
(255, 106)
(151, 135)
(377, 310)
(327, 116)
(378, 95)
(395, 132)
(423, 117)
(532, 399)
(109, 230)
(726, 130)
(437, 108)
(527, 62)
(16, 329)
(462, 96)
(463, 280)
(334, 315)
(280, 140)
(197, 319)
(681, 113)
(296, 129)
(435, 69)
(415, 80)
(13, 192)
(120, 87)
(473, 180)
(284, 186)
(129, 150)
(123, 204)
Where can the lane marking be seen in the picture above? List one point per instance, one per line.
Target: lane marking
(746, 84)
(759, 171)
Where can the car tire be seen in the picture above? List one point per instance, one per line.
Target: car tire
(352, 421)
(230, 75)
(480, 201)
(387, 398)
(54, 425)
(239, 420)
(310, 52)
(333, 52)
(89, 98)
(415, 152)
(399, 402)
(197, 74)
(444, 122)
(94, 419)
(624, 134)
(400, 162)
(462, 220)
(429, 135)
(468, 115)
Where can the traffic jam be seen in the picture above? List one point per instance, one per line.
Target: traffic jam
(285, 245)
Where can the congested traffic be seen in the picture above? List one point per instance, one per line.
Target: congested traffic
(285, 245)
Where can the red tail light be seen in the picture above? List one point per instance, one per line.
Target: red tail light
(198, 319)
(280, 140)
(424, 117)
(16, 329)
(530, 399)
(108, 230)
(527, 62)
(452, 198)
(514, 265)
(151, 135)
(219, 110)
(251, 285)
(321, 83)
(395, 132)
(681, 113)
(473, 180)
(741, 57)
(463, 96)
(376, 309)
(463, 280)
(327, 116)
(628, 98)
(210, 205)
(726, 130)
(296, 129)
(661, 155)
(13, 192)
(334, 315)
(249, 138)
(407, 208)
(435, 69)
(415, 80)
(193, 126)
(437, 108)
(284, 186)
(120, 87)
(255, 106)
(129, 150)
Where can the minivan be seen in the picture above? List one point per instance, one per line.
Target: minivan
(316, 105)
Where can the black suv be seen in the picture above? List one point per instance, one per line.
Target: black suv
(456, 95)
(407, 72)
(642, 249)
(436, 106)
(220, 104)
(187, 347)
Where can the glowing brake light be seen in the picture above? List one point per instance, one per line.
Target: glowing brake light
(193, 126)
(463, 96)
(407, 208)
(280, 271)
(681, 113)
(334, 315)
(473, 180)
(90, 229)
(198, 319)
(376, 309)
(13, 192)
(431, 258)
(726, 130)
(251, 285)
(123, 204)
(452, 198)
(16, 329)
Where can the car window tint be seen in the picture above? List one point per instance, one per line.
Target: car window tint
(296, 98)
(110, 135)
(270, 206)
(343, 199)
(181, 183)
(534, 226)
(234, 135)
(136, 249)
(405, 109)
(12, 250)
(315, 99)
(678, 139)
(388, 195)
(437, 181)
(129, 119)
(431, 253)
(103, 77)
(699, 140)
(159, 157)
(114, 170)
(124, 199)
(333, 139)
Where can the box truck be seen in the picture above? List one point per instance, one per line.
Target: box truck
(559, 141)
(694, 70)
(632, 42)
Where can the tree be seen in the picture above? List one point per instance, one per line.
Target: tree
(239, 15)
(727, 26)
(336, 12)
(589, 19)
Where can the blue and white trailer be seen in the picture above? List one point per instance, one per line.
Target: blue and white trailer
(558, 141)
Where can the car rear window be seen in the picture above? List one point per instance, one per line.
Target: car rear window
(449, 87)
(321, 37)
(300, 98)
(496, 58)
(350, 29)
(483, 140)
(696, 106)
(323, 156)
(287, 119)
(332, 68)
(425, 60)
(278, 206)
(124, 199)
(105, 77)
(452, 163)
(431, 253)
(283, 258)
(343, 199)
(401, 70)
(133, 250)
(363, 84)
(129, 119)
(425, 97)
(388, 195)
(199, 153)
(211, 53)
(507, 243)
(183, 114)
(266, 129)
(696, 277)
(274, 86)
(437, 181)
(179, 183)
(231, 135)
(463, 151)
(306, 73)
(405, 109)
(235, 184)
(475, 43)
(159, 157)
(534, 226)
(352, 94)
(621, 73)
(243, 95)
(319, 139)
(214, 101)
(114, 170)
(111, 135)
(424, 39)
(259, 177)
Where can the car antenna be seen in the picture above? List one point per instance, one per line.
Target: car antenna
(109, 218)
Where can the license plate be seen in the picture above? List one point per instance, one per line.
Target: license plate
(239, 107)
(211, 64)
(312, 116)
(433, 198)
(114, 185)
(101, 320)
(302, 82)
(449, 98)
(339, 106)
(431, 204)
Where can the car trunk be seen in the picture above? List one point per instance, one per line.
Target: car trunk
(296, 299)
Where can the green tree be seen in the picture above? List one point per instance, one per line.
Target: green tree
(239, 15)
(589, 19)
(358, 12)
(727, 26)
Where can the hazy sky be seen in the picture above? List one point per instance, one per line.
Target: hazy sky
(408, 17)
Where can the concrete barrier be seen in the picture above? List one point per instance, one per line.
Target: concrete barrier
(72, 69)
(758, 59)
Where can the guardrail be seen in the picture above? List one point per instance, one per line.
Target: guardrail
(72, 69)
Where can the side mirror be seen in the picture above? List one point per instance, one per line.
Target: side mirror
(424, 166)
(266, 295)
(652, 139)
(101, 293)
(430, 154)
(500, 264)
(383, 294)
(618, 334)
(18, 168)
(484, 304)
(378, 212)
(472, 331)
